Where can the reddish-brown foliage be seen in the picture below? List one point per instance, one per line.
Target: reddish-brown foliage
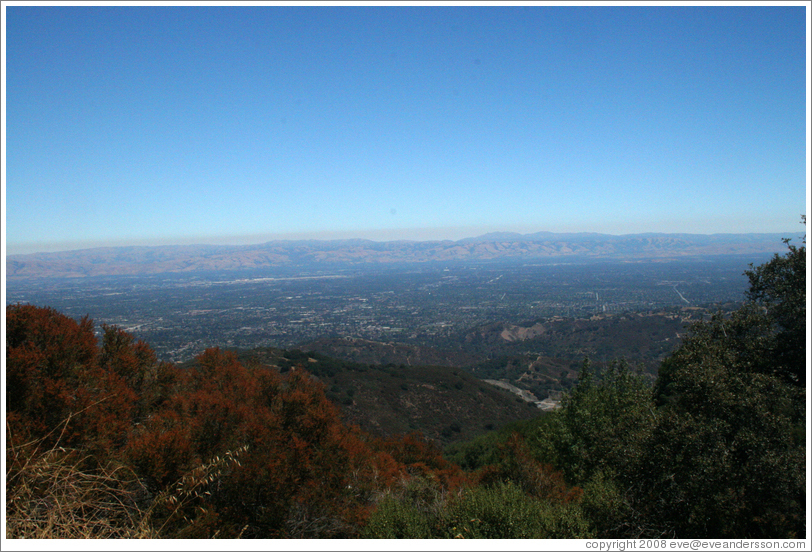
(56, 390)
(422, 457)
(535, 478)
(302, 472)
(164, 453)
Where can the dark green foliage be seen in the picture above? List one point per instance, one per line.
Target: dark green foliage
(602, 425)
(732, 416)
(487, 449)
(730, 433)
(741, 342)
(607, 509)
(426, 398)
(780, 287)
(475, 454)
(735, 465)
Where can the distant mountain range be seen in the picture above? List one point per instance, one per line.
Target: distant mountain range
(143, 260)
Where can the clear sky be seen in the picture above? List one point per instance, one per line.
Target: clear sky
(195, 124)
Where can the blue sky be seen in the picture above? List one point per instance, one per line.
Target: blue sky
(157, 125)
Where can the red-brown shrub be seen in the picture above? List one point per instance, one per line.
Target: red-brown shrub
(422, 457)
(56, 389)
(535, 478)
(301, 471)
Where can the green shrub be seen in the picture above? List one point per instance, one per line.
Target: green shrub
(397, 519)
(604, 506)
(503, 511)
(409, 510)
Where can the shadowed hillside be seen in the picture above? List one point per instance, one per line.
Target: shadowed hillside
(445, 404)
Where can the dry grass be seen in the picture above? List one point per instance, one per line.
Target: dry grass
(61, 494)
(64, 493)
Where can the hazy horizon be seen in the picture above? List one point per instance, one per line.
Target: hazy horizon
(158, 125)
(427, 235)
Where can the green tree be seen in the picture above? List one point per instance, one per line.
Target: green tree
(726, 457)
(598, 440)
(601, 425)
(742, 341)
(779, 286)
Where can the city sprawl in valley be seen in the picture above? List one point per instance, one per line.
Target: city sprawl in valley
(180, 315)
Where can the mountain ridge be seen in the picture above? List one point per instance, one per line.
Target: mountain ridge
(142, 260)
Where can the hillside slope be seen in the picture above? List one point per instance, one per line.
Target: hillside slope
(542, 356)
(445, 404)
